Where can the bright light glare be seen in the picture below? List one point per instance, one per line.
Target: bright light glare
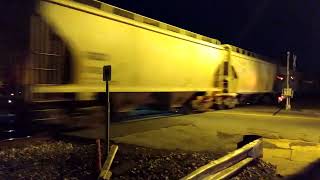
(279, 77)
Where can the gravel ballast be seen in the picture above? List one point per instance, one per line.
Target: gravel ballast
(52, 159)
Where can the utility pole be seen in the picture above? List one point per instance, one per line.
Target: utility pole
(287, 91)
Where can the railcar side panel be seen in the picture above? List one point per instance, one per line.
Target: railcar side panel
(253, 75)
(143, 59)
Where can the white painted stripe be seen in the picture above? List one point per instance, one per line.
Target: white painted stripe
(293, 116)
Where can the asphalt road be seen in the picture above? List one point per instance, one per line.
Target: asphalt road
(220, 131)
(200, 131)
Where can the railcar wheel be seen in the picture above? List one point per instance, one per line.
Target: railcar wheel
(221, 106)
(185, 109)
(202, 104)
(230, 102)
(219, 103)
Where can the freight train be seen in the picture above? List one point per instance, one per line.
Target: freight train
(64, 44)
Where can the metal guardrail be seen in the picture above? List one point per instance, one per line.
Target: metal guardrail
(228, 165)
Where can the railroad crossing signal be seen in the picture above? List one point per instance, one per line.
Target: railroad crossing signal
(107, 73)
(287, 92)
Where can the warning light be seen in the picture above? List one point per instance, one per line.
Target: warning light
(280, 99)
(280, 78)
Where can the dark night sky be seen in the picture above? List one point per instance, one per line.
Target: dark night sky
(268, 27)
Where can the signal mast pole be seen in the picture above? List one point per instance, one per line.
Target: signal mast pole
(107, 78)
(288, 104)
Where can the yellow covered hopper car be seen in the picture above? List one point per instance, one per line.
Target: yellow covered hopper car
(153, 63)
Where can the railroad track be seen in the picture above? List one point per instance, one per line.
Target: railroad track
(45, 125)
(52, 115)
(221, 168)
(230, 164)
(9, 140)
(23, 141)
